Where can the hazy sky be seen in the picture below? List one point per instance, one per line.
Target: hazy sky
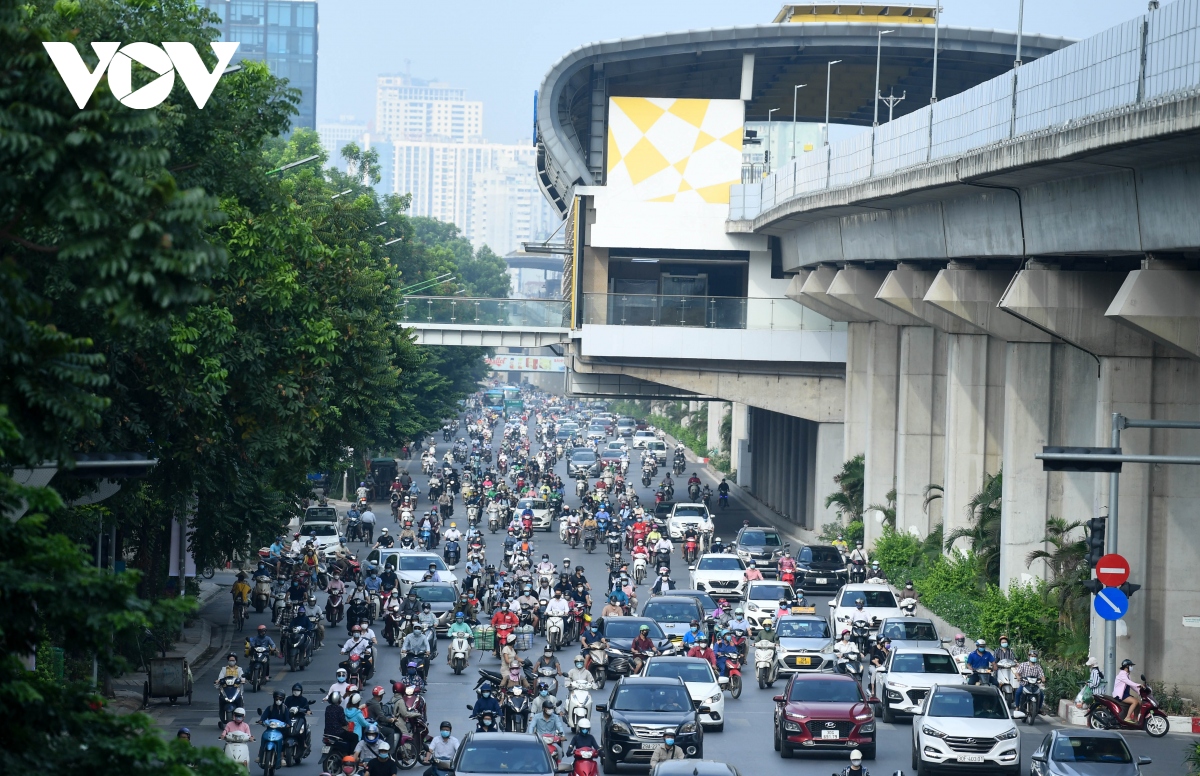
(500, 51)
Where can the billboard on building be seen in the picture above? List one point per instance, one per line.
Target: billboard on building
(507, 362)
(678, 151)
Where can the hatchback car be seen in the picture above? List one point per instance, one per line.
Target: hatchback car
(760, 544)
(583, 463)
(701, 682)
(327, 537)
(411, 566)
(879, 604)
(907, 676)
(762, 600)
(441, 597)
(612, 457)
(823, 712)
(719, 574)
(619, 445)
(638, 714)
(497, 754)
(963, 729)
(597, 431)
(626, 426)
(543, 518)
(1085, 753)
(804, 645)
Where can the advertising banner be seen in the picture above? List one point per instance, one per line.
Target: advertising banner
(507, 362)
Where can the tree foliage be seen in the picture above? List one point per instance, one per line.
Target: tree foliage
(983, 533)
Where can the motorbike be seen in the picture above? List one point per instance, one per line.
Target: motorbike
(614, 544)
(545, 675)
(580, 487)
(764, 663)
(237, 748)
(296, 648)
(662, 559)
(257, 672)
(1108, 713)
(514, 714)
(296, 740)
(646, 478)
(585, 762)
(1030, 691)
(860, 634)
(579, 704)
(598, 667)
(353, 529)
(493, 521)
(732, 680)
(691, 550)
(909, 607)
(270, 754)
(693, 492)
(1004, 678)
(553, 743)
(639, 569)
(451, 553)
(850, 663)
(554, 631)
(261, 596)
(333, 749)
(589, 541)
(393, 623)
(573, 536)
(229, 697)
(680, 464)
(858, 572)
(460, 652)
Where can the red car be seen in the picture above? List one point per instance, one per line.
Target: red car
(823, 712)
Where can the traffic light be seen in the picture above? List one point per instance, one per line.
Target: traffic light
(1093, 586)
(1129, 588)
(1095, 540)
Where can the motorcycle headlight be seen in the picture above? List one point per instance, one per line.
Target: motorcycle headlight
(621, 729)
(716, 697)
(1008, 735)
(687, 727)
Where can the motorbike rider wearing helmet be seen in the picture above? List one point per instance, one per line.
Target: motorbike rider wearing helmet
(547, 723)
(982, 664)
(960, 646)
(386, 722)
(664, 584)
(666, 750)
(752, 573)
(583, 739)
(855, 768)
(368, 747)
(843, 647)
(237, 724)
(485, 703)
(1030, 670)
(1127, 691)
(442, 750)
(383, 764)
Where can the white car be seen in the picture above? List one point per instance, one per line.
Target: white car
(720, 575)
(902, 683)
(685, 514)
(659, 448)
(762, 600)
(617, 445)
(411, 565)
(542, 518)
(327, 536)
(701, 682)
(965, 728)
(640, 438)
(879, 603)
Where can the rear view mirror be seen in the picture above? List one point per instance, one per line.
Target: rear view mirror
(1144, 760)
(602, 707)
(832, 604)
(778, 699)
(723, 681)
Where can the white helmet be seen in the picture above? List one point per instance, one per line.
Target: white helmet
(856, 756)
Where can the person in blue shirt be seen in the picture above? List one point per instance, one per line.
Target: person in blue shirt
(692, 634)
(373, 583)
(354, 714)
(485, 702)
(547, 723)
(352, 512)
(982, 663)
(725, 649)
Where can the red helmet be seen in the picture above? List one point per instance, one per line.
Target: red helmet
(378, 690)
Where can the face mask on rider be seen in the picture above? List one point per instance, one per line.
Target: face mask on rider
(669, 741)
(445, 734)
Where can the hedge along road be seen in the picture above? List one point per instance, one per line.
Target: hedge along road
(745, 743)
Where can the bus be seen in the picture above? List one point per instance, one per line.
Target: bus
(493, 399)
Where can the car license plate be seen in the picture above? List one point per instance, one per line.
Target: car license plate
(829, 734)
(324, 750)
(822, 580)
(970, 758)
(649, 746)
(804, 661)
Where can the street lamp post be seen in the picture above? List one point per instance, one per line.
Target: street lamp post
(767, 166)
(1020, 26)
(937, 26)
(878, 59)
(828, 81)
(795, 93)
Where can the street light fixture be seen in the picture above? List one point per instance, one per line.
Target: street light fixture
(1020, 26)
(828, 81)
(937, 26)
(340, 193)
(795, 93)
(305, 160)
(767, 165)
(878, 59)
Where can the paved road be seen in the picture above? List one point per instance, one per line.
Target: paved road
(746, 741)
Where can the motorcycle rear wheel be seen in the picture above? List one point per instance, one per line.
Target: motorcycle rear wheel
(763, 673)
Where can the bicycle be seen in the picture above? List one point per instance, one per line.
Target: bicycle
(239, 615)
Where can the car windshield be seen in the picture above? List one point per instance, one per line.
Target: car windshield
(719, 563)
(506, 755)
(760, 539)
(770, 592)
(1090, 749)
(694, 672)
(950, 702)
(616, 445)
(910, 631)
(644, 434)
(672, 611)
(583, 456)
(620, 628)
(435, 594)
(661, 697)
(319, 529)
(420, 562)
(924, 664)
(530, 503)
(820, 555)
(321, 515)
(803, 629)
(881, 599)
(610, 455)
(809, 690)
(682, 511)
(656, 445)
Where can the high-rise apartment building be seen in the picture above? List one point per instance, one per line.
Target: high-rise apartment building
(507, 208)
(335, 136)
(282, 33)
(441, 176)
(408, 108)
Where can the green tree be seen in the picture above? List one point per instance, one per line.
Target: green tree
(848, 498)
(983, 533)
(1065, 559)
(888, 509)
(485, 274)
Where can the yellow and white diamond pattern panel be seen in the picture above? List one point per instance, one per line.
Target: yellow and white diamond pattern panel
(668, 150)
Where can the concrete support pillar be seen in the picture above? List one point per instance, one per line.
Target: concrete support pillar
(974, 419)
(1027, 394)
(791, 468)
(829, 448)
(716, 414)
(883, 361)
(858, 339)
(915, 413)
(739, 452)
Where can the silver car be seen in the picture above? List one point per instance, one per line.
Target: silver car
(910, 633)
(805, 645)
(1085, 753)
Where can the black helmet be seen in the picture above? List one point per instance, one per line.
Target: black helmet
(1127, 663)
(277, 695)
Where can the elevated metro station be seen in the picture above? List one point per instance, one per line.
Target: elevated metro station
(945, 293)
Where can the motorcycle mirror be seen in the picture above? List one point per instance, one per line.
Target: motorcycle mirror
(602, 707)
(470, 707)
(691, 568)
(260, 711)
(873, 700)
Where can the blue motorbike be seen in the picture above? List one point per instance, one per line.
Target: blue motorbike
(270, 754)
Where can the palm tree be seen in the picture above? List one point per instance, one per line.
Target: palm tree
(932, 493)
(983, 534)
(848, 498)
(1065, 560)
(888, 510)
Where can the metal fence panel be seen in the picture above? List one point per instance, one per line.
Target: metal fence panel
(903, 142)
(972, 119)
(1172, 43)
(1091, 76)
(813, 169)
(851, 160)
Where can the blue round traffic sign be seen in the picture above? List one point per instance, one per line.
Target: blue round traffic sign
(1110, 603)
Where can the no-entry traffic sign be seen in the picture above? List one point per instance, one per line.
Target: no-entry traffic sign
(1112, 570)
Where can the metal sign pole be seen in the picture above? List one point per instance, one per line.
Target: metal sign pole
(1114, 492)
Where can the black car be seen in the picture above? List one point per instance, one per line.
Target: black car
(620, 633)
(819, 567)
(639, 712)
(510, 754)
(760, 544)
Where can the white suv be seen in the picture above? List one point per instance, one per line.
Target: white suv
(963, 729)
(719, 574)
(907, 676)
(640, 438)
(685, 514)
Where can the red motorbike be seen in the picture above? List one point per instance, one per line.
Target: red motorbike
(585, 762)
(733, 676)
(691, 549)
(788, 576)
(1108, 713)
